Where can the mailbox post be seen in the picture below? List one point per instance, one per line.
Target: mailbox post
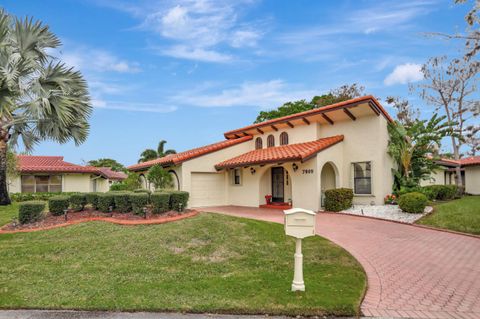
(299, 223)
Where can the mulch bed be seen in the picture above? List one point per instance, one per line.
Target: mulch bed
(50, 221)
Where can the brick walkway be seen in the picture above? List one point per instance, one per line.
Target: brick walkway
(412, 272)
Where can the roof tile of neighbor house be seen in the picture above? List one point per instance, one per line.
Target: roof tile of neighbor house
(467, 161)
(328, 108)
(292, 152)
(108, 173)
(175, 159)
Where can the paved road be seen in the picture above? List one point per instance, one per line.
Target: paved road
(412, 272)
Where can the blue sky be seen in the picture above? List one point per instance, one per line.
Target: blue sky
(187, 71)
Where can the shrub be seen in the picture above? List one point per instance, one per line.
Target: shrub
(160, 202)
(159, 177)
(139, 201)
(22, 197)
(92, 199)
(30, 211)
(430, 191)
(338, 199)
(78, 201)
(142, 190)
(57, 204)
(118, 187)
(105, 201)
(414, 203)
(447, 192)
(178, 200)
(122, 202)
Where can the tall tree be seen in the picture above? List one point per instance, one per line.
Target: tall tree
(406, 114)
(107, 162)
(343, 93)
(449, 86)
(150, 154)
(40, 97)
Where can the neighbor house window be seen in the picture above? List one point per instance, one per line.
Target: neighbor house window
(236, 176)
(284, 138)
(258, 143)
(41, 183)
(362, 178)
(270, 141)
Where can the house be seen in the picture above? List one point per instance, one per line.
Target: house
(293, 158)
(469, 169)
(53, 174)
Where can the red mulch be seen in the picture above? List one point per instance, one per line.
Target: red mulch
(50, 221)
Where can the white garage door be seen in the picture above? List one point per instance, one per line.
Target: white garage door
(208, 189)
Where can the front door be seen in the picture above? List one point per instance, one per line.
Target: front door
(277, 184)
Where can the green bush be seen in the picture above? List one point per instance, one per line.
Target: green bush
(139, 201)
(119, 187)
(160, 202)
(22, 197)
(122, 202)
(178, 200)
(78, 201)
(447, 192)
(413, 203)
(338, 199)
(430, 191)
(92, 199)
(142, 190)
(57, 204)
(105, 201)
(30, 211)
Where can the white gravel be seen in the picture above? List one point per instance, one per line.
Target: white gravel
(390, 212)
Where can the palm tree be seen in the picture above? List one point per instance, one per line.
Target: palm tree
(40, 98)
(150, 154)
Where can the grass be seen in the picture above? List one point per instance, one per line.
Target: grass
(209, 263)
(461, 215)
(7, 213)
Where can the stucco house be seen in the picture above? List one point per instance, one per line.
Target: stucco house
(469, 168)
(293, 158)
(53, 174)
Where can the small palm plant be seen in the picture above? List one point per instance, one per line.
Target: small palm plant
(40, 97)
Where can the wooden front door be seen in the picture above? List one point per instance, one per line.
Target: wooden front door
(277, 184)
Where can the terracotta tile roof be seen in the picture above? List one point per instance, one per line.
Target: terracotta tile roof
(469, 161)
(324, 109)
(50, 164)
(292, 152)
(109, 174)
(175, 159)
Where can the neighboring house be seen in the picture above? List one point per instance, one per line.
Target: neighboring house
(293, 158)
(469, 169)
(53, 174)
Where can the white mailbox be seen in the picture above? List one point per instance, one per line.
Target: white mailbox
(299, 223)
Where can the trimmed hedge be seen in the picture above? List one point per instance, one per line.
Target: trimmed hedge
(338, 199)
(178, 200)
(142, 190)
(139, 201)
(447, 192)
(413, 203)
(92, 199)
(119, 187)
(30, 211)
(57, 204)
(22, 197)
(122, 202)
(160, 202)
(78, 201)
(104, 201)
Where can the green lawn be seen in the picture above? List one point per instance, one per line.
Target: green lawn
(7, 213)
(461, 215)
(209, 263)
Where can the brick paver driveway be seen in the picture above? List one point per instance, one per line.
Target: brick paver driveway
(412, 272)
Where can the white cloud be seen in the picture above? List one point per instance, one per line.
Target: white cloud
(135, 107)
(267, 94)
(404, 73)
(197, 54)
(88, 59)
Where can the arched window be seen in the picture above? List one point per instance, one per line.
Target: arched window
(284, 138)
(258, 143)
(270, 141)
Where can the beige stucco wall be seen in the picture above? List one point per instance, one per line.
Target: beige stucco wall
(472, 180)
(14, 184)
(436, 178)
(70, 183)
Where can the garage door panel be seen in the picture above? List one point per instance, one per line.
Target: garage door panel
(208, 189)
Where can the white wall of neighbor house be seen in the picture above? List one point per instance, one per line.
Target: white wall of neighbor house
(76, 183)
(436, 178)
(14, 184)
(472, 180)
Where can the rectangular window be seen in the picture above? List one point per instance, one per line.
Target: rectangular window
(362, 178)
(237, 176)
(41, 183)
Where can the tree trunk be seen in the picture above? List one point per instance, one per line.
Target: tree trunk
(4, 198)
(456, 155)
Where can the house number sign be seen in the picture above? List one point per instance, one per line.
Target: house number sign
(307, 171)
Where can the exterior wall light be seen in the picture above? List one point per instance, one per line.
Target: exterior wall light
(295, 167)
(252, 170)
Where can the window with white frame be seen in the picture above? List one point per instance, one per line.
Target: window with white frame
(41, 183)
(237, 176)
(362, 178)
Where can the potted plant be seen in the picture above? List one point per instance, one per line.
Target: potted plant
(268, 199)
(390, 199)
